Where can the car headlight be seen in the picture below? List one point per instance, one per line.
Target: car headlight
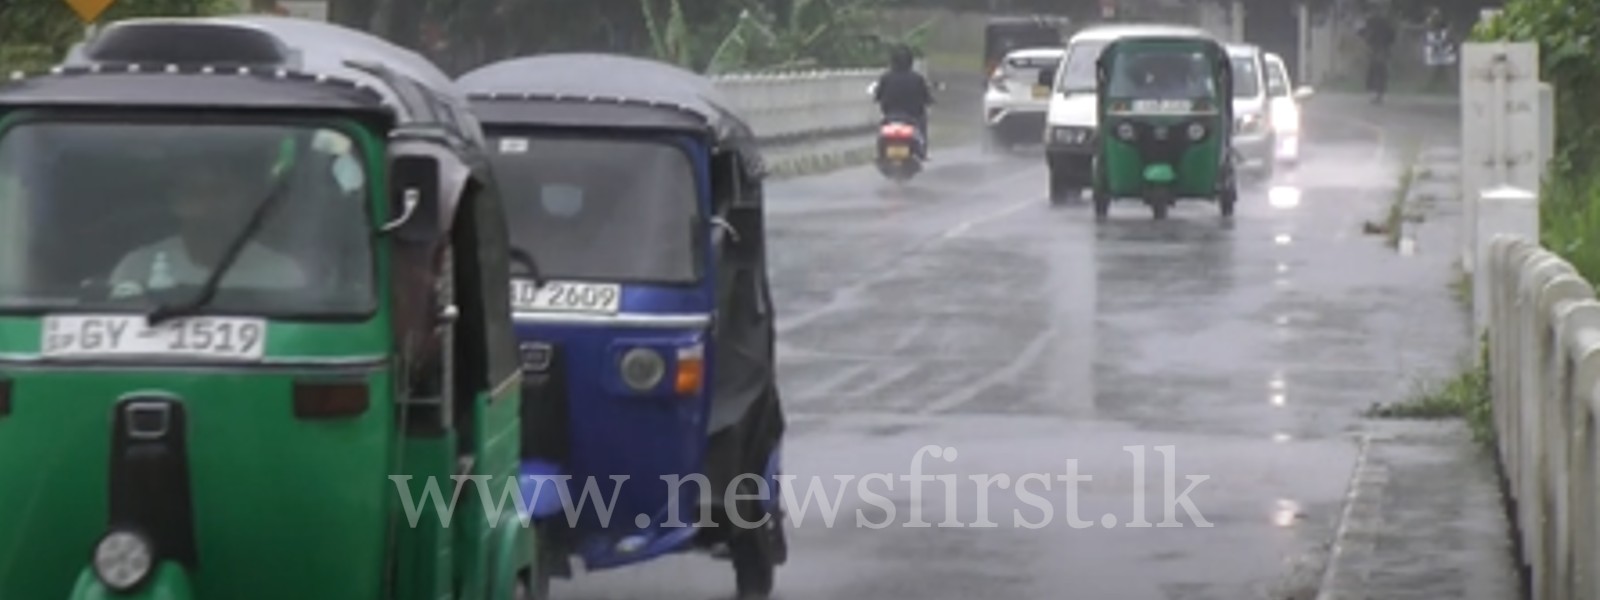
(1286, 119)
(1196, 132)
(643, 368)
(123, 560)
(1125, 131)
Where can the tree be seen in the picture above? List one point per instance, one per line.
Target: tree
(34, 34)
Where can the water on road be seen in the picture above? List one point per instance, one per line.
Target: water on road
(1205, 376)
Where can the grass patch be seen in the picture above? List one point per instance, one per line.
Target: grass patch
(1394, 222)
(1465, 396)
(1461, 287)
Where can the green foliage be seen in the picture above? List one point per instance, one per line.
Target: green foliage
(809, 34)
(34, 34)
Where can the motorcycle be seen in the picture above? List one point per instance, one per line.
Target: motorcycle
(900, 147)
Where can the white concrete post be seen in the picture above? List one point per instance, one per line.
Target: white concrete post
(1547, 127)
(1501, 210)
(1303, 42)
(1236, 12)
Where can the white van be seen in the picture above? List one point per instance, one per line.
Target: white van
(1253, 135)
(1071, 119)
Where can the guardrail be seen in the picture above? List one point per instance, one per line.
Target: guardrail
(784, 107)
(1544, 359)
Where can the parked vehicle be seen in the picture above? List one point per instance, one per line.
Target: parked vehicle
(1072, 119)
(1014, 107)
(648, 336)
(1285, 109)
(258, 306)
(1164, 102)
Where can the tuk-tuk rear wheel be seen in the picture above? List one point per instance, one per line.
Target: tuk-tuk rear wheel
(1102, 205)
(754, 571)
(533, 584)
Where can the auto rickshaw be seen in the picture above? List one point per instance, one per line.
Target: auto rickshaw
(1165, 110)
(648, 336)
(253, 321)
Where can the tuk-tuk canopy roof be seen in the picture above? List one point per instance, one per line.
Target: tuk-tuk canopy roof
(293, 63)
(601, 90)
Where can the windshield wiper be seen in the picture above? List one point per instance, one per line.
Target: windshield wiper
(208, 290)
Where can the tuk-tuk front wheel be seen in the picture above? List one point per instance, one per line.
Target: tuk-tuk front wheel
(1160, 202)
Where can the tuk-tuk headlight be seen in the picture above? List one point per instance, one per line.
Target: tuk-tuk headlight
(1196, 132)
(1125, 131)
(643, 368)
(123, 560)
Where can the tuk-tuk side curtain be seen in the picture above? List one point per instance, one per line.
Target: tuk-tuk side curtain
(745, 335)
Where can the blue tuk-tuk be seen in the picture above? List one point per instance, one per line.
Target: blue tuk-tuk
(647, 332)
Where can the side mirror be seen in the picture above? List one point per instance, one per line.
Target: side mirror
(1303, 92)
(1047, 77)
(414, 181)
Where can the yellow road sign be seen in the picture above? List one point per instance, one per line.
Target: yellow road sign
(89, 10)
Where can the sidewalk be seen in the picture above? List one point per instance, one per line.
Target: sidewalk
(1424, 517)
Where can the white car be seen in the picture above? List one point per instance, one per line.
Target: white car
(1015, 103)
(1072, 119)
(1285, 109)
(1253, 136)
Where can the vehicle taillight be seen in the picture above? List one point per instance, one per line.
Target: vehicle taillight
(997, 81)
(330, 399)
(898, 131)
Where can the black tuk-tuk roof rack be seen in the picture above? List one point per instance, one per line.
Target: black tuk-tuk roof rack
(135, 84)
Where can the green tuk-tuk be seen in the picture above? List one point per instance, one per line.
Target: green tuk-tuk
(1165, 116)
(254, 324)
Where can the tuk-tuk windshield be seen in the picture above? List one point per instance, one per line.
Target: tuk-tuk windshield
(600, 208)
(1078, 68)
(129, 215)
(1162, 74)
(1277, 79)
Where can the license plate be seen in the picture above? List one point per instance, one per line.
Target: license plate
(121, 336)
(1163, 106)
(897, 152)
(1041, 92)
(566, 296)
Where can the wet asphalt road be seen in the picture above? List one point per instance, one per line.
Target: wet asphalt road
(963, 311)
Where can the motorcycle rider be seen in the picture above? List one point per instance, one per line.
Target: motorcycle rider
(903, 92)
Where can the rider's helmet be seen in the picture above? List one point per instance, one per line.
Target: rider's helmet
(900, 58)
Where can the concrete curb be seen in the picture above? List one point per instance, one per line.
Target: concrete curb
(820, 161)
(1355, 537)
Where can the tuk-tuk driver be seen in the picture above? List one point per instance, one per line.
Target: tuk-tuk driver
(210, 206)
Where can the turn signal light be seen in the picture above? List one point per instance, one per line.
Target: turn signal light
(5, 397)
(691, 375)
(330, 399)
